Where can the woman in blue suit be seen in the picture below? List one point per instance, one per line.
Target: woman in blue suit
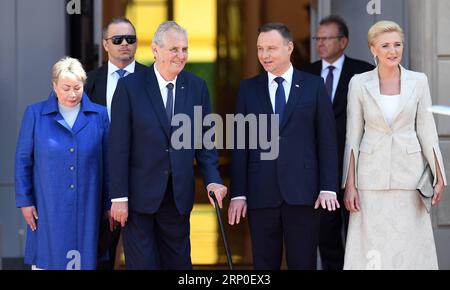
(61, 173)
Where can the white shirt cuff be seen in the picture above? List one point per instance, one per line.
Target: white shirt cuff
(120, 199)
(239, 197)
(327, 191)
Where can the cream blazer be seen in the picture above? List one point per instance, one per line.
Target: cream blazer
(390, 157)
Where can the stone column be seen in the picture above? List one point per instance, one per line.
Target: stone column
(430, 53)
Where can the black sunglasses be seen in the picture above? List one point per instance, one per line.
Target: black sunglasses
(118, 39)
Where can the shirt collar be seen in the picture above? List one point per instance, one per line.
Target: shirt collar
(63, 108)
(287, 75)
(161, 81)
(51, 105)
(112, 68)
(338, 64)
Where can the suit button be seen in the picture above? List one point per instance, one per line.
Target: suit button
(167, 150)
(72, 168)
(72, 150)
(166, 172)
(72, 186)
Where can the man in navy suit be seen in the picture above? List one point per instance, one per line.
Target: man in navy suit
(283, 194)
(152, 183)
(336, 69)
(120, 42)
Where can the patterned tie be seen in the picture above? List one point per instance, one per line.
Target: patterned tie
(280, 99)
(329, 82)
(121, 72)
(169, 103)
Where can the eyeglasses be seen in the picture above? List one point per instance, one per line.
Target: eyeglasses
(118, 39)
(325, 38)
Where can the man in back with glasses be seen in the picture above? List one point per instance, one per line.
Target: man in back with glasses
(336, 70)
(120, 42)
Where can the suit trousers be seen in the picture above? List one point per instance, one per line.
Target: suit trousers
(333, 230)
(107, 245)
(296, 225)
(158, 241)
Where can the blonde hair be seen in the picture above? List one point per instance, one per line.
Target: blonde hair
(68, 66)
(382, 27)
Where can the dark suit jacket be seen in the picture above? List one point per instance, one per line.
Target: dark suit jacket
(307, 161)
(95, 86)
(142, 157)
(349, 69)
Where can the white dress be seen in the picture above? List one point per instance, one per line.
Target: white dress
(392, 230)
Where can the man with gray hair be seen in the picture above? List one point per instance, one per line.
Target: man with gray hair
(152, 184)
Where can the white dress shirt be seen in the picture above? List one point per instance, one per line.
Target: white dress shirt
(273, 85)
(162, 83)
(111, 82)
(338, 64)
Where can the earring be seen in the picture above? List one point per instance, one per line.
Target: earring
(375, 60)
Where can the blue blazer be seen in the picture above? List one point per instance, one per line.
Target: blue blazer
(307, 160)
(142, 157)
(62, 171)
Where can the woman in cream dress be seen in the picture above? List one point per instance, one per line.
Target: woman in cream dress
(390, 139)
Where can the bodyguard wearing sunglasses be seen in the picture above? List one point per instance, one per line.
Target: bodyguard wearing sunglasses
(120, 42)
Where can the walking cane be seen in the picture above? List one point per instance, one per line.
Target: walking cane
(222, 230)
